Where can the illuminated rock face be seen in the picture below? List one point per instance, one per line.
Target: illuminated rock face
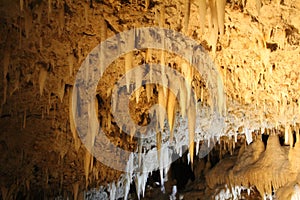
(43, 44)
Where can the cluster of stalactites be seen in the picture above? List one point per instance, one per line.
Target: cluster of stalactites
(171, 103)
(270, 169)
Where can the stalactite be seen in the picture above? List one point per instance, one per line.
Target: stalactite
(162, 100)
(72, 122)
(138, 82)
(149, 92)
(202, 10)
(86, 10)
(132, 132)
(187, 12)
(61, 90)
(148, 57)
(103, 29)
(20, 34)
(75, 190)
(4, 192)
(171, 112)
(140, 148)
(201, 94)
(21, 5)
(28, 22)
(286, 134)
(6, 62)
(87, 160)
(27, 183)
(92, 164)
(291, 137)
(16, 83)
(61, 19)
(165, 82)
(248, 135)
(42, 80)
(183, 98)
(147, 3)
(49, 9)
(188, 73)
(112, 191)
(213, 25)
(128, 65)
(24, 119)
(161, 21)
(158, 144)
(71, 64)
(191, 126)
(220, 4)
(258, 5)
(108, 118)
(221, 96)
(297, 130)
(114, 103)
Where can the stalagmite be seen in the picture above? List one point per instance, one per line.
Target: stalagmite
(42, 80)
(171, 112)
(128, 65)
(191, 126)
